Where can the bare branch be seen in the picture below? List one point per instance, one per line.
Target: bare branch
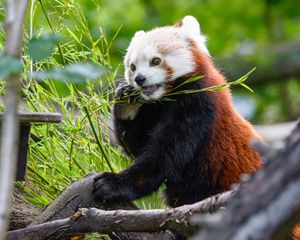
(16, 10)
(15, 14)
(96, 220)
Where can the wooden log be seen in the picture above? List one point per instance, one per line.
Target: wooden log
(77, 195)
(22, 212)
(51, 223)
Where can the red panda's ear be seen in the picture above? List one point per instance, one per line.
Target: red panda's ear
(190, 26)
(138, 34)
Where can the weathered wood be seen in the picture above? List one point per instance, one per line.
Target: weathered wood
(22, 212)
(79, 195)
(24, 133)
(26, 119)
(114, 221)
(38, 117)
(22, 153)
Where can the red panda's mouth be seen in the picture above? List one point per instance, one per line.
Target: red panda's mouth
(149, 90)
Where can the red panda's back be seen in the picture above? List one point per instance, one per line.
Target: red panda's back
(230, 151)
(230, 148)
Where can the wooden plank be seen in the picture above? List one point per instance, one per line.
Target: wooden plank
(38, 117)
(26, 120)
(23, 150)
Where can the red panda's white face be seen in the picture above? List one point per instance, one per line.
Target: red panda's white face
(162, 55)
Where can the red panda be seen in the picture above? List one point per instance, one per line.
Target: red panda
(196, 143)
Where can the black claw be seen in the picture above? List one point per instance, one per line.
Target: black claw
(123, 90)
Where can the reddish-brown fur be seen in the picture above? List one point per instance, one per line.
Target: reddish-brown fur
(296, 232)
(230, 129)
(231, 133)
(168, 69)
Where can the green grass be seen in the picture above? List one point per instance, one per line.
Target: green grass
(62, 153)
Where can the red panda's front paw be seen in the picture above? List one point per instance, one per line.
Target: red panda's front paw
(108, 188)
(126, 91)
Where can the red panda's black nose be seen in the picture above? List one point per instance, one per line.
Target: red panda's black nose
(140, 79)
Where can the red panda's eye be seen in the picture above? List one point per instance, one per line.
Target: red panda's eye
(132, 67)
(155, 61)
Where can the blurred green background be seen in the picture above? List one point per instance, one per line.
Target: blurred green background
(241, 35)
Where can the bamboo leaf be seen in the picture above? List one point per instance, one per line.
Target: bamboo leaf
(40, 48)
(247, 87)
(9, 65)
(216, 88)
(72, 73)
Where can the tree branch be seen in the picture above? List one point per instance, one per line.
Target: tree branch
(15, 15)
(96, 220)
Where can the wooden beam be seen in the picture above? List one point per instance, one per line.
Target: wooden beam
(37, 117)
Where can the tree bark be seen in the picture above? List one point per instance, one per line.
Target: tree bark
(15, 14)
(22, 213)
(56, 222)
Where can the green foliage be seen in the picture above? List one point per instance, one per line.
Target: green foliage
(216, 88)
(9, 65)
(242, 25)
(40, 48)
(61, 154)
(72, 73)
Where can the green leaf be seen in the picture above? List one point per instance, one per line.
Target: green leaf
(163, 187)
(72, 73)
(240, 81)
(9, 65)
(245, 77)
(247, 87)
(41, 47)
